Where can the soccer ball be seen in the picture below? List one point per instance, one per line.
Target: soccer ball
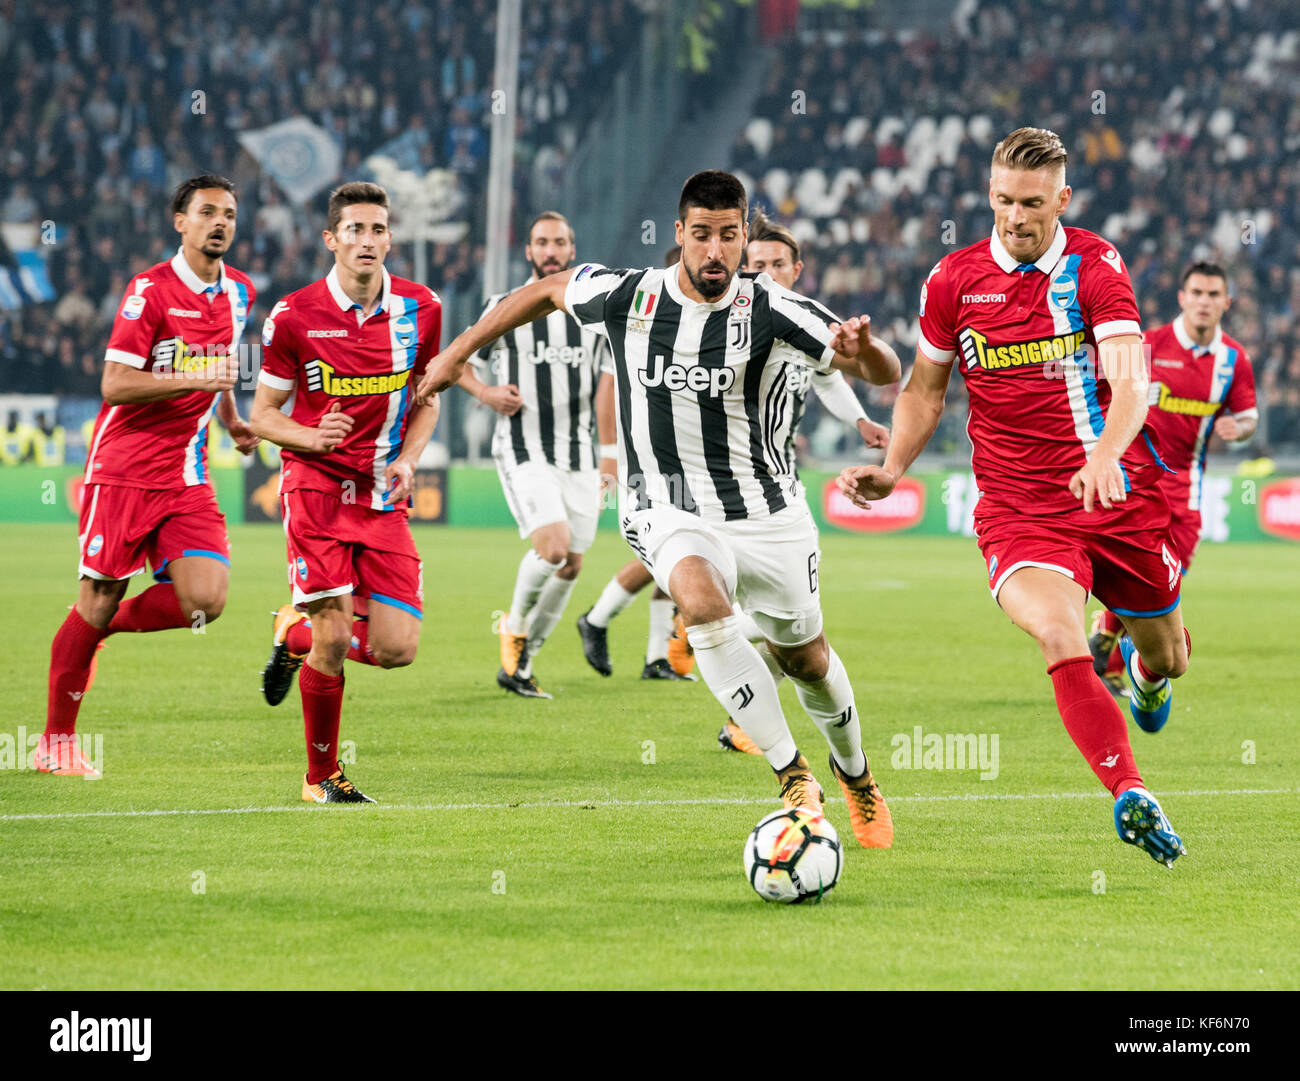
(793, 856)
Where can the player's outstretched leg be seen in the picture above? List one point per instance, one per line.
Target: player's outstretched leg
(1140, 821)
(732, 737)
(551, 602)
(826, 694)
(739, 680)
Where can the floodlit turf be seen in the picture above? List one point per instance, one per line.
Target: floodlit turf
(595, 841)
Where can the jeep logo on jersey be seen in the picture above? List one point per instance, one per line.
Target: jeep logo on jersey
(573, 355)
(404, 331)
(696, 378)
(1061, 292)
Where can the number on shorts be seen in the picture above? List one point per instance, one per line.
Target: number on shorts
(812, 573)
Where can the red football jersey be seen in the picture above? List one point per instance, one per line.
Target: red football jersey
(316, 344)
(169, 320)
(1027, 334)
(1191, 386)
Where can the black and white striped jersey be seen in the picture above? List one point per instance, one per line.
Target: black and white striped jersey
(556, 365)
(703, 406)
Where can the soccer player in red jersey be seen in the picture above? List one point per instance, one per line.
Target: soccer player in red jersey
(1201, 382)
(1070, 494)
(345, 348)
(170, 364)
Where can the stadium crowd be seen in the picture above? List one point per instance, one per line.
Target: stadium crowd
(101, 122)
(1183, 122)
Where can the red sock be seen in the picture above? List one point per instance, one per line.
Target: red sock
(70, 656)
(1095, 723)
(322, 705)
(156, 609)
(299, 638)
(359, 651)
(1116, 662)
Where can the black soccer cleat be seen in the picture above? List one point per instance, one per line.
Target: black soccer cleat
(661, 669)
(524, 686)
(281, 666)
(595, 645)
(334, 789)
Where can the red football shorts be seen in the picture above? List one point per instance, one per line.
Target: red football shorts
(122, 528)
(337, 548)
(1185, 535)
(1124, 556)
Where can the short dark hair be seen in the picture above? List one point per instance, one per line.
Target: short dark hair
(713, 190)
(182, 195)
(1210, 270)
(552, 215)
(353, 193)
(763, 228)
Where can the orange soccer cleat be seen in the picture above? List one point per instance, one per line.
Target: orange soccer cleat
(514, 649)
(334, 789)
(733, 738)
(64, 758)
(869, 815)
(680, 654)
(799, 788)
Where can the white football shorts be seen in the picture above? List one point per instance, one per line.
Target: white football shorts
(769, 564)
(540, 494)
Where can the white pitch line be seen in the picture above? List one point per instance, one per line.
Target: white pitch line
(591, 804)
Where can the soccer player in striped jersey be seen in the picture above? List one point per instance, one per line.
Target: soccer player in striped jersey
(708, 499)
(547, 377)
(346, 349)
(170, 364)
(1201, 382)
(1070, 498)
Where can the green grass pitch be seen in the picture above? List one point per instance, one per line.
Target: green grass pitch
(595, 841)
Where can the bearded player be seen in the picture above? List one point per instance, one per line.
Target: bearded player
(346, 349)
(170, 364)
(1071, 500)
(547, 378)
(1201, 382)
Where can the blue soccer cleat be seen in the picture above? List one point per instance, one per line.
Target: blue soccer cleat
(1149, 708)
(1140, 821)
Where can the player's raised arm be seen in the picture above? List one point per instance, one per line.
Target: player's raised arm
(916, 416)
(1101, 478)
(534, 301)
(862, 355)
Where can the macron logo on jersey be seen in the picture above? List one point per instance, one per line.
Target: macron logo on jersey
(1111, 258)
(982, 298)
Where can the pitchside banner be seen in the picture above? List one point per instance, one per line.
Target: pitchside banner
(927, 504)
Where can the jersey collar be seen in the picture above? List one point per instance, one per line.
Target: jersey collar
(346, 303)
(675, 291)
(1185, 339)
(192, 281)
(1045, 262)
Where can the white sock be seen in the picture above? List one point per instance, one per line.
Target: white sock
(769, 659)
(533, 573)
(661, 626)
(829, 702)
(612, 601)
(1146, 686)
(547, 611)
(748, 627)
(740, 682)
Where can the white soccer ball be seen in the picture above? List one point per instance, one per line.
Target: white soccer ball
(793, 856)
